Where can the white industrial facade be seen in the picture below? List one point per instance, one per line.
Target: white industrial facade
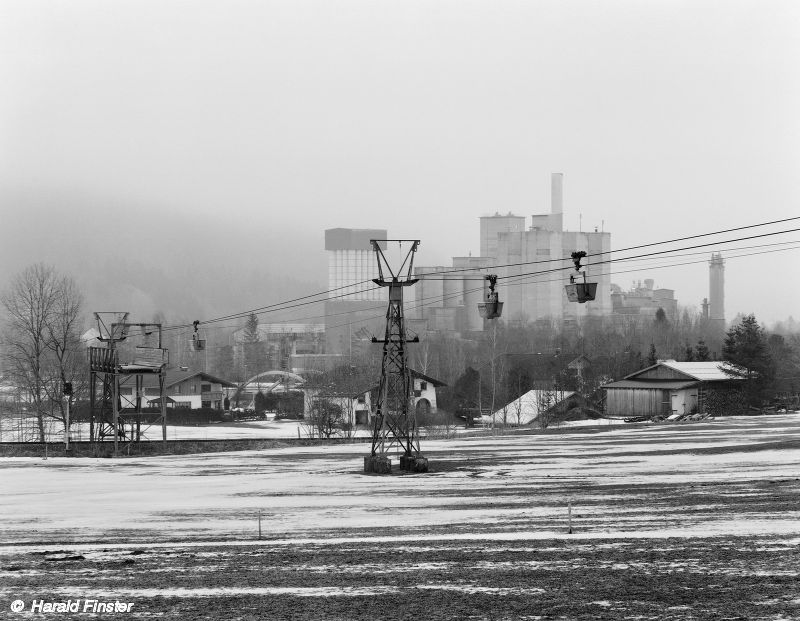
(526, 261)
(355, 305)
(351, 262)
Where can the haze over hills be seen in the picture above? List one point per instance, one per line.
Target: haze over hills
(148, 261)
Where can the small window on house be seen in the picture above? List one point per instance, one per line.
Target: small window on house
(423, 385)
(178, 389)
(194, 388)
(361, 399)
(205, 388)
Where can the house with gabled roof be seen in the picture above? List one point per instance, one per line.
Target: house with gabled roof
(358, 402)
(668, 387)
(184, 389)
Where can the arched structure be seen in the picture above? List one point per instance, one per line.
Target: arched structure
(279, 378)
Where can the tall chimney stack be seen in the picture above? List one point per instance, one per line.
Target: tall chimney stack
(557, 193)
(716, 293)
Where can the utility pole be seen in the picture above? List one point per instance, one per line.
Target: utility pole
(67, 398)
(395, 423)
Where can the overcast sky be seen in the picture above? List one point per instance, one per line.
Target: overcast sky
(667, 119)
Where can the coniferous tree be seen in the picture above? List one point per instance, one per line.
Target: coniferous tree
(255, 350)
(747, 349)
(251, 334)
(652, 356)
(701, 352)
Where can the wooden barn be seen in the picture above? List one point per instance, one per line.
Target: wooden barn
(666, 388)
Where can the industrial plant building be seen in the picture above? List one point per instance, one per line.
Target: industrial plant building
(642, 301)
(355, 307)
(531, 266)
(532, 261)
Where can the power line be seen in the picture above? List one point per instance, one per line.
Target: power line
(289, 304)
(528, 276)
(668, 241)
(523, 279)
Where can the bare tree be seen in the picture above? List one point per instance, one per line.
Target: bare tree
(41, 341)
(324, 418)
(544, 401)
(517, 406)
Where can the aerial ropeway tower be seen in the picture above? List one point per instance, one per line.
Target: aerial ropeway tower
(394, 423)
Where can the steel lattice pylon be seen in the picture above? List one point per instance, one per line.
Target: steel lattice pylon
(394, 424)
(108, 418)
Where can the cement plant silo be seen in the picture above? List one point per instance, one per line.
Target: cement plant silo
(453, 289)
(429, 291)
(473, 295)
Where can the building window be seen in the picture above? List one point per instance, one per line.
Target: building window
(423, 385)
(178, 389)
(205, 404)
(194, 388)
(205, 388)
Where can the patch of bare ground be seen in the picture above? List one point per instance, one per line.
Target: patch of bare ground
(706, 578)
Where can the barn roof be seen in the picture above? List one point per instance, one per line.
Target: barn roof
(710, 371)
(667, 385)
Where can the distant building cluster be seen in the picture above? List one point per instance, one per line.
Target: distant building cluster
(642, 300)
(531, 260)
(531, 266)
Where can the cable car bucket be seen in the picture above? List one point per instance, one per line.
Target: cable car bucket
(580, 291)
(198, 342)
(491, 307)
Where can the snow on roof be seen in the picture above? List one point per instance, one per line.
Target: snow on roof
(706, 371)
(665, 385)
(526, 408)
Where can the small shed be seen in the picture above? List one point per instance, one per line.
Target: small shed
(667, 387)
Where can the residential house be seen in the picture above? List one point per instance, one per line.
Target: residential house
(424, 392)
(184, 389)
(357, 403)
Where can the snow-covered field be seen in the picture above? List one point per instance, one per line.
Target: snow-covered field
(708, 507)
(11, 430)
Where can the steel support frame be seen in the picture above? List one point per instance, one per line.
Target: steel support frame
(394, 423)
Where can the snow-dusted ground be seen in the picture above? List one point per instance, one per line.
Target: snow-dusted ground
(496, 487)
(14, 430)
(672, 521)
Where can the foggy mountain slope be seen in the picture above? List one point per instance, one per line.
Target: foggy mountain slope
(147, 261)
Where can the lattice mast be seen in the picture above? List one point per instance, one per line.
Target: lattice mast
(394, 423)
(109, 374)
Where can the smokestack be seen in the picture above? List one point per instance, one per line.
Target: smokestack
(716, 297)
(557, 193)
